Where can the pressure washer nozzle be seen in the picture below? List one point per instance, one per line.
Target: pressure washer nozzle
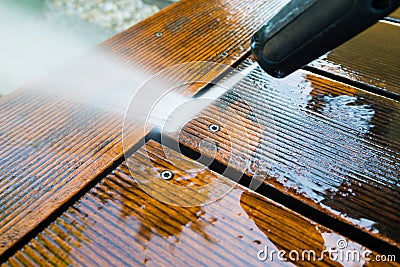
(306, 29)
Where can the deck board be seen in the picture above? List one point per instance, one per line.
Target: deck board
(117, 223)
(395, 14)
(52, 146)
(330, 145)
(371, 58)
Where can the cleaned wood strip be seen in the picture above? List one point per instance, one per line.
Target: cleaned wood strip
(179, 40)
(118, 223)
(51, 146)
(372, 58)
(330, 145)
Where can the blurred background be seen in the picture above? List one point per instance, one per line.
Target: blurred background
(39, 35)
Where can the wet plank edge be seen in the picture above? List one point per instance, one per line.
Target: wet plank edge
(190, 137)
(116, 156)
(111, 211)
(154, 57)
(367, 61)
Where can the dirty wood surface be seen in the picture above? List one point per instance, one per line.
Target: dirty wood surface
(328, 144)
(51, 147)
(371, 58)
(118, 224)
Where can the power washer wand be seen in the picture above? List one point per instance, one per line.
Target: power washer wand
(306, 29)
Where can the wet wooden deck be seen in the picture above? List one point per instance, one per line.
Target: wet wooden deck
(324, 142)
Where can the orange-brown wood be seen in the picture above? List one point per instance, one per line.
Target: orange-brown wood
(51, 146)
(118, 224)
(330, 145)
(371, 58)
(396, 14)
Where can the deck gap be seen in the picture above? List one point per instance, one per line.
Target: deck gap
(359, 85)
(152, 135)
(243, 179)
(293, 204)
(70, 202)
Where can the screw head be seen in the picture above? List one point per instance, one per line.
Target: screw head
(167, 175)
(214, 128)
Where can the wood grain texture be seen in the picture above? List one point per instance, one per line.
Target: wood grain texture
(395, 14)
(327, 144)
(371, 57)
(51, 146)
(118, 224)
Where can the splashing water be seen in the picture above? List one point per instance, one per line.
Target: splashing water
(32, 44)
(173, 111)
(35, 50)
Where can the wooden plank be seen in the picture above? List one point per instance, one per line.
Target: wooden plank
(117, 223)
(370, 58)
(395, 14)
(330, 145)
(52, 146)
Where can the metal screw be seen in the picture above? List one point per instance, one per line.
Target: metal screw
(224, 54)
(159, 34)
(214, 128)
(166, 175)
